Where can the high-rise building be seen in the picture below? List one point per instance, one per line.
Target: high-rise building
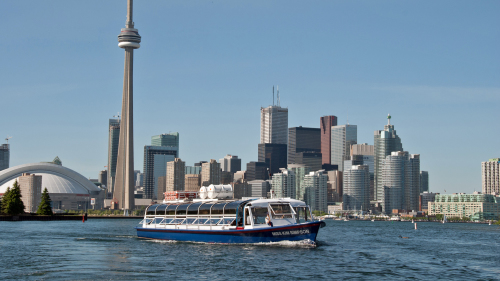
(283, 184)
(259, 188)
(274, 125)
(240, 176)
(129, 40)
(363, 154)
(424, 181)
(242, 189)
(315, 185)
(425, 198)
(170, 139)
(385, 142)
(31, 191)
(412, 188)
(113, 139)
(175, 175)
(343, 137)
(193, 170)
(230, 163)
(161, 188)
(362, 149)
(300, 171)
(356, 195)
(192, 182)
(491, 176)
(326, 124)
(274, 155)
(301, 139)
(103, 177)
(257, 171)
(155, 165)
(309, 159)
(4, 156)
(210, 173)
(334, 187)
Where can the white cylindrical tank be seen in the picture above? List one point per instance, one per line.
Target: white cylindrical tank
(203, 192)
(219, 191)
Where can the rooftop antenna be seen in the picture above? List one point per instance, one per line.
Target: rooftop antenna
(273, 95)
(389, 119)
(278, 94)
(7, 139)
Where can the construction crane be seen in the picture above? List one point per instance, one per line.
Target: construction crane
(117, 115)
(7, 139)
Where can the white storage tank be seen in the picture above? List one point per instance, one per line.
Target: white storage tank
(203, 192)
(219, 191)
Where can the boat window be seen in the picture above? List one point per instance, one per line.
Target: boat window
(181, 210)
(193, 208)
(177, 221)
(200, 221)
(205, 208)
(226, 221)
(259, 215)
(302, 214)
(171, 210)
(212, 221)
(160, 211)
(230, 208)
(146, 221)
(188, 221)
(281, 211)
(165, 221)
(157, 220)
(218, 208)
(151, 210)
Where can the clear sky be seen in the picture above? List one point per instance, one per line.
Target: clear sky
(205, 68)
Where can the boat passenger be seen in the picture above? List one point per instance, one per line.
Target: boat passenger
(268, 220)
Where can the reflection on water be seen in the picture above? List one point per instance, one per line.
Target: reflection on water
(109, 249)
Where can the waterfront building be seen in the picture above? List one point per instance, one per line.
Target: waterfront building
(113, 140)
(300, 171)
(424, 181)
(31, 191)
(475, 206)
(283, 184)
(175, 175)
(257, 171)
(155, 165)
(193, 170)
(315, 185)
(192, 182)
(103, 177)
(491, 176)
(326, 124)
(385, 142)
(425, 198)
(4, 156)
(356, 188)
(68, 189)
(343, 137)
(301, 139)
(210, 173)
(274, 125)
(230, 163)
(123, 192)
(334, 186)
(259, 188)
(274, 155)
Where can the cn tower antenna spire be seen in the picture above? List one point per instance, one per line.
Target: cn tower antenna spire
(129, 40)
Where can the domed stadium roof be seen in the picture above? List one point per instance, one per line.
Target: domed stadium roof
(56, 178)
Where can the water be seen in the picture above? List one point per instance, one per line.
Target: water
(109, 249)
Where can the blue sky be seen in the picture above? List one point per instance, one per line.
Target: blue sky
(205, 68)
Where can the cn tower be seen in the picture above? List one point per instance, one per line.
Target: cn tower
(129, 40)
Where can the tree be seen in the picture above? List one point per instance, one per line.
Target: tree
(44, 207)
(12, 203)
(5, 199)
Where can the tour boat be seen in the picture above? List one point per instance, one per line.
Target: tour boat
(230, 221)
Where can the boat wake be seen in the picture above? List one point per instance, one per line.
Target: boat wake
(306, 243)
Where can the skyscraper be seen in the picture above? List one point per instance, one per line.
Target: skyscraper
(170, 139)
(155, 165)
(326, 124)
(175, 175)
(257, 171)
(366, 152)
(491, 176)
(315, 185)
(301, 139)
(343, 137)
(385, 142)
(113, 140)
(300, 171)
(274, 155)
(210, 173)
(103, 177)
(4, 156)
(424, 182)
(129, 40)
(356, 195)
(283, 184)
(274, 124)
(230, 163)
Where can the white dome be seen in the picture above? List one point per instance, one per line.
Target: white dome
(56, 178)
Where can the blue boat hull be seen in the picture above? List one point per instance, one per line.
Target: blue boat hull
(268, 234)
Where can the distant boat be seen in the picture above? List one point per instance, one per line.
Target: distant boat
(373, 220)
(444, 219)
(346, 219)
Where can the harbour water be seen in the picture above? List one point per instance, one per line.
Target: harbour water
(106, 249)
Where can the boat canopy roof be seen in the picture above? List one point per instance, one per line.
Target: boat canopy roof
(265, 202)
(214, 208)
